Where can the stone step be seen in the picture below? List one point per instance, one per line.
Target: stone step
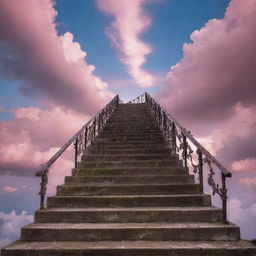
(135, 179)
(130, 201)
(134, 157)
(131, 129)
(128, 248)
(115, 146)
(102, 151)
(132, 143)
(130, 214)
(124, 189)
(130, 133)
(141, 137)
(130, 171)
(129, 231)
(131, 163)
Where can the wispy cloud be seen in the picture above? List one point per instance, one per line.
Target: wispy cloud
(125, 31)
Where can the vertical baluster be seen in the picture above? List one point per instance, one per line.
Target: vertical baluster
(94, 129)
(44, 180)
(200, 170)
(85, 137)
(224, 198)
(76, 152)
(185, 151)
(174, 143)
(159, 115)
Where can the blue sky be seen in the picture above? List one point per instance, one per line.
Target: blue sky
(172, 23)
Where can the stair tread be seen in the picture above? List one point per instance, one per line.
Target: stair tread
(129, 225)
(130, 209)
(131, 245)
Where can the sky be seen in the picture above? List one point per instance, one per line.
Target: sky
(62, 61)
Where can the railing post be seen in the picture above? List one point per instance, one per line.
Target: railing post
(44, 180)
(200, 170)
(224, 198)
(76, 152)
(185, 151)
(85, 137)
(174, 143)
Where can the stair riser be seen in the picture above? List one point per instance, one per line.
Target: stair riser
(131, 138)
(134, 143)
(128, 190)
(132, 252)
(127, 152)
(92, 158)
(113, 164)
(155, 234)
(121, 147)
(127, 216)
(128, 202)
(131, 171)
(108, 180)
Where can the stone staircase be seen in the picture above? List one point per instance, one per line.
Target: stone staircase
(129, 196)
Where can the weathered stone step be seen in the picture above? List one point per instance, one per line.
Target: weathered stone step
(94, 150)
(140, 137)
(129, 231)
(125, 215)
(157, 157)
(128, 248)
(130, 171)
(124, 140)
(130, 201)
(124, 189)
(130, 129)
(135, 179)
(115, 146)
(150, 143)
(130, 133)
(138, 163)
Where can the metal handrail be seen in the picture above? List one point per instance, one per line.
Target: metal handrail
(178, 137)
(82, 139)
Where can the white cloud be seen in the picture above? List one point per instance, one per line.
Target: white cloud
(10, 225)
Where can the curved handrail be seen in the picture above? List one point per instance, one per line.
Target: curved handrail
(196, 143)
(82, 139)
(178, 137)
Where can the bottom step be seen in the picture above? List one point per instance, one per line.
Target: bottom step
(128, 248)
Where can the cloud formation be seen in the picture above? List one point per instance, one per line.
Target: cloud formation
(124, 32)
(217, 71)
(49, 66)
(10, 224)
(33, 137)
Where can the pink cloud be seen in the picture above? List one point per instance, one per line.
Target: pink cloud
(50, 67)
(9, 189)
(217, 71)
(34, 135)
(130, 22)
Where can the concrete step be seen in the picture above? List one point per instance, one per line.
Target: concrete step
(121, 147)
(124, 189)
(130, 201)
(133, 129)
(130, 171)
(128, 248)
(103, 151)
(142, 137)
(135, 179)
(151, 142)
(122, 157)
(131, 163)
(130, 214)
(130, 231)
